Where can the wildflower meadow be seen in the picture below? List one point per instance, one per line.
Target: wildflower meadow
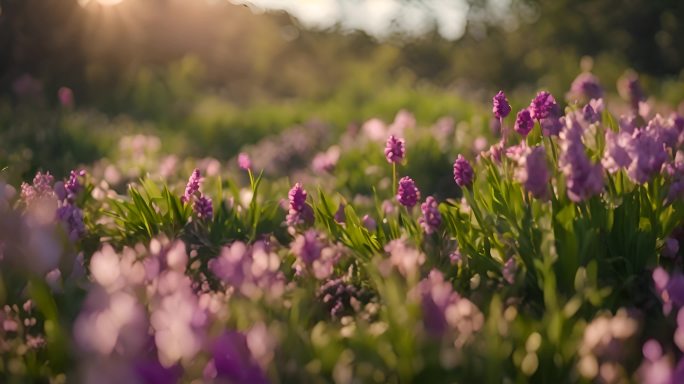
(542, 244)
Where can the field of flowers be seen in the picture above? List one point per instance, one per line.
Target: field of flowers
(544, 249)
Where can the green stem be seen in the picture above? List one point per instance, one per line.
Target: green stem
(394, 179)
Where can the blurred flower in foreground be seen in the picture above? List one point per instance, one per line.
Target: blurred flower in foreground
(603, 346)
(232, 361)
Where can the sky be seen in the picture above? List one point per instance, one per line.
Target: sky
(377, 17)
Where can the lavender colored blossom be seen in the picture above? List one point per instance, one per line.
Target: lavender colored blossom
(407, 193)
(616, 154)
(590, 115)
(193, 186)
(585, 86)
(307, 247)
(326, 161)
(72, 217)
(341, 298)
(509, 270)
(542, 105)
(500, 106)
(233, 362)
(436, 296)
(41, 187)
(533, 172)
(395, 150)
(670, 248)
(676, 191)
(583, 179)
(628, 123)
(630, 89)
(253, 271)
(463, 172)
(431, 218)
(523, 123)
(340, 217)
(670, 289)
(369, 223)
(299, 212)
(203, 208)
(66, 97)
(244, 162)
(648, 155)
(404, 257)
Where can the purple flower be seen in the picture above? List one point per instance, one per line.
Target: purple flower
(500, 106)
(307, 247)
(244, 162)
(583, 179)
(42, 187)
(66, 97)
(369, 223)
(590, 115)
(407, 193)
(395, 149)
(585, 86)
(193, 186)
(340, 216)
(299, 212)
(509, 270)
(524, 123)
(341, 298)
(431, 219)
(533, 173)
(436, 296)
(648, 154)
(616, 155)
(670, 289)
(630, 89)
(542, 105)
(297, 196)
(233, 361)
(463, 172)
(72, 217)
(670, 248)
(203, 208)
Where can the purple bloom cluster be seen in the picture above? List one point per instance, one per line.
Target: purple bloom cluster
(232, 361)
(244, 162)
(299, 212)
(583, 179)
(463, 172)
(253, 271)
(586, 86)
(41, 187)
(431, 218)
(341, 298)
(444, 309)
(395, 149)
(533, 172)
(193, 186)
(542, 105)
(407, 193)
(500, 106)
(523, 122)
(201, 204)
